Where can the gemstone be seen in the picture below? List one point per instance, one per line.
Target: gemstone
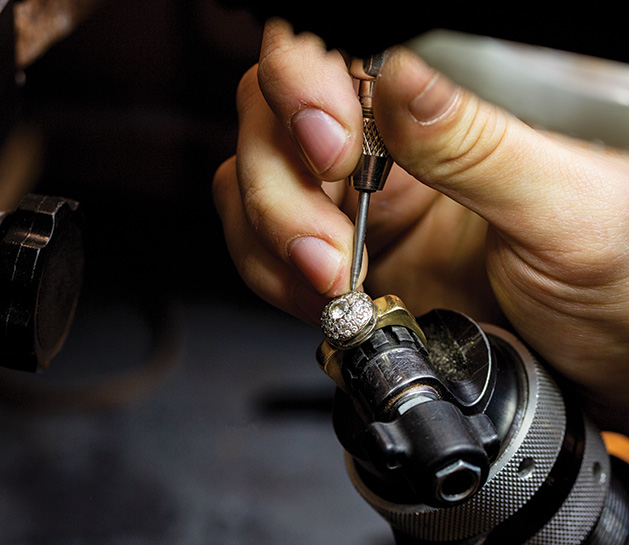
(346, 316)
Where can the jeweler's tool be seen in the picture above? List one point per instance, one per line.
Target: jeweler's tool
(375, 163)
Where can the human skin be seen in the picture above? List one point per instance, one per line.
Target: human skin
(481, 213)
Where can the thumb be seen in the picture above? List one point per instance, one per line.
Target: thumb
(472, 151)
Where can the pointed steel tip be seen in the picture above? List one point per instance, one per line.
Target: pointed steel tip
(360, 230)
(354, 280)
(357, 265)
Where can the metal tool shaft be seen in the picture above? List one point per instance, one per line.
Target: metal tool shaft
(375, 163)
(360, 231)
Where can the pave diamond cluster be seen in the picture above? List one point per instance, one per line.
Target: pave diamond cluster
(346, 317)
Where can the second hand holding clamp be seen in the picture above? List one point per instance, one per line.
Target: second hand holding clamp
(375, 163)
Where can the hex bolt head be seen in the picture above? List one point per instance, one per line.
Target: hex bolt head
(457, 481)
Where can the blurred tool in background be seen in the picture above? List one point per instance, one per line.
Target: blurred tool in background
(41, 239)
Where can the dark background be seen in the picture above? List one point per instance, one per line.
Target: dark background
(182, 410)
(137, 111)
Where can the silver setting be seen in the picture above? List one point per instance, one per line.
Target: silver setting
(348, 319)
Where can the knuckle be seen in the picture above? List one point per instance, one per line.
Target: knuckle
(598, 262)
(247, 88)
(471, 141)
(272, 67)
(257, 207)
(282, 68)
(275, 77)
(477, 140)
(223, 180)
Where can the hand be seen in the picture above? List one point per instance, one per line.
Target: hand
(507, 220)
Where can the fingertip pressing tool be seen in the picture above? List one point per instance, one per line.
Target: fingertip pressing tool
(375, 162)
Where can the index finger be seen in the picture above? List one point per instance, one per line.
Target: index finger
(311, 92)
(284, 202)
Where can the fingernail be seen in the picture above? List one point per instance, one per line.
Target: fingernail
(317, 260)
(320, 137)
(434, 101)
